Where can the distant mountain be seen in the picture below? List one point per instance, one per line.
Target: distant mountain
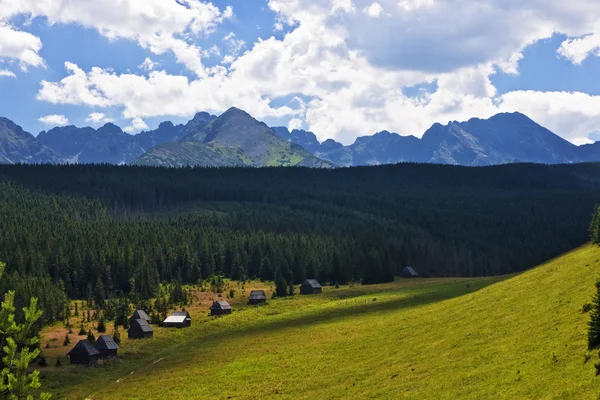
(503, 138)
(234, 138)
(18, 146)
(109, 144)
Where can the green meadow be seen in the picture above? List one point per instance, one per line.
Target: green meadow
(510, 337)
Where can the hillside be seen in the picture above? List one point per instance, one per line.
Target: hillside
(233, 139)
(503, 138)
(521, 336)
(18, 146)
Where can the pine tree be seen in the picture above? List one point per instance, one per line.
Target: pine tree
(91, 336)
(281, 287)
(82, 330)
(67, 340)
(101, 325)
(291, 288)
(117, 335)
(594, 324)
(20, 346)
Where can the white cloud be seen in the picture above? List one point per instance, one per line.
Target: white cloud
(350, 71)
(98, 118)
(295, 123)
(10, 74)
(137, 124)
(21, 46)
(55, 120)
(148, 64)
(577, 50)
(374, 10)
(156, 25)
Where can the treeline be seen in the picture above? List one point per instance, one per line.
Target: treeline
(91, 229)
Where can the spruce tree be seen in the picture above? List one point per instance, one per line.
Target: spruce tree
(281, 287)
(91, 336)
(101, 325)
(594, 324)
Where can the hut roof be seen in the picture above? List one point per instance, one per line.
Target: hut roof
(180, 314)
(105, 342)
(84, 347)
(174, 319)
(140, 314)
(409, 271)
(220, 305)
(143, 324)
(312, 283)
(257, 294)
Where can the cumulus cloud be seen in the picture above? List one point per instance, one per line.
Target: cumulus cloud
(148, 64)
(10, 74)
(21, 46)
(156, 25)
(137, 124)
(350, 71)
(577, 50)
(55, 120)
(98, 118)
(374, 10)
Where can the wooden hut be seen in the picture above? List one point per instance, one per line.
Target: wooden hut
(84, 352)
(257, 297)
(220, 307)
(140, 314)
(178, 319)
(139, 329)
(311, 286)
(106, 346)
(408, 272)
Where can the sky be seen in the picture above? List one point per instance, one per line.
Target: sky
(339, 68)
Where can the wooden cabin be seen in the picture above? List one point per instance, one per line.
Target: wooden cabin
(84, 352)
(220, 307)
(178, 319)
(408, 272)
(106, 346)
(311, 286)
(257, 297)
(139, 329)
(140, 314)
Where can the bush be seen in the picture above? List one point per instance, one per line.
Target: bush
(117, 336)
(586, 308)
(42, 361)
(58, 362)
(597, 366)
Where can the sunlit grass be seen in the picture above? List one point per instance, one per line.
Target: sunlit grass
(512, 337)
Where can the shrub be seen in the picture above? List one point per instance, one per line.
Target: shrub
(42, 361)
(597, 366)
(117, 336)
(586, 308)
(58, 362)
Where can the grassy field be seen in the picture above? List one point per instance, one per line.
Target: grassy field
(512, 337)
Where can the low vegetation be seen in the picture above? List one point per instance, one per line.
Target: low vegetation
(519, 336)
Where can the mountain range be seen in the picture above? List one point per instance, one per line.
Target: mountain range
(237, 139)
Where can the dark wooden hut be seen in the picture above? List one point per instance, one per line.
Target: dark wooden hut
(311, 286)
(140, 314)
(257, 297)
(178, 319)
(106, 346)
(220, 307)
(408, 272)
(139, 329)
(84, 352)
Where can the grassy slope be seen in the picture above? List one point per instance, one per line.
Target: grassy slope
(516, 337)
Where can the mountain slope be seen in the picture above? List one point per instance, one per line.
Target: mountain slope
(512, 337)
(18, 146)
(503, 138)
(234, 138)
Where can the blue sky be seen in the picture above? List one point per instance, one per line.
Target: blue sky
(341, 68)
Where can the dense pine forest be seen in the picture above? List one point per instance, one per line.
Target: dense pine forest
(95, 231)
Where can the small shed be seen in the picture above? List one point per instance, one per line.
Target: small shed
(178, 319)
(139, 329)
(140, 314)
(106, 346)
(257, 297)
(408, 272)
(311, 286)
(84, 352)
(220, 307)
